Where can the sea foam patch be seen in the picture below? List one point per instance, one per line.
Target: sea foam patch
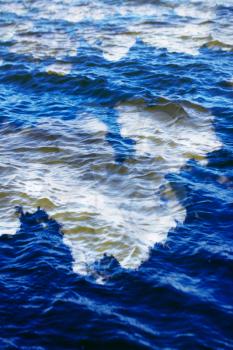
(68, 168)
(183, 27)
(173, 131)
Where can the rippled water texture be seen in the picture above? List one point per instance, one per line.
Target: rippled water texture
(115, 117)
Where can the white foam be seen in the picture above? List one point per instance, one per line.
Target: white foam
(175, 140)
(116, 49)
(53, 44)
(114, 46)
(14, 7)
(181, 27)
(195, 11)
(104, 207)
(181, 38)
(74, 13)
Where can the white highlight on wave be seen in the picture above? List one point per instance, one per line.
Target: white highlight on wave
(68, 168)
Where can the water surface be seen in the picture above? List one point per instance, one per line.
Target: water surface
(116, 119)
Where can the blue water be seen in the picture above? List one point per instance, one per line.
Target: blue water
(180, 295)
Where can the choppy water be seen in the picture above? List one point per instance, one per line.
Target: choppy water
(116, 118)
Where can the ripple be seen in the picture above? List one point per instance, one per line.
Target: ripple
(115, 116)
(113, 29)
(104, 206)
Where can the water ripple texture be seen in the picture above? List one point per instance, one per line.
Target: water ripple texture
(116, 174)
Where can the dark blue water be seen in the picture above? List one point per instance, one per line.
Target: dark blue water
(179, 295)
